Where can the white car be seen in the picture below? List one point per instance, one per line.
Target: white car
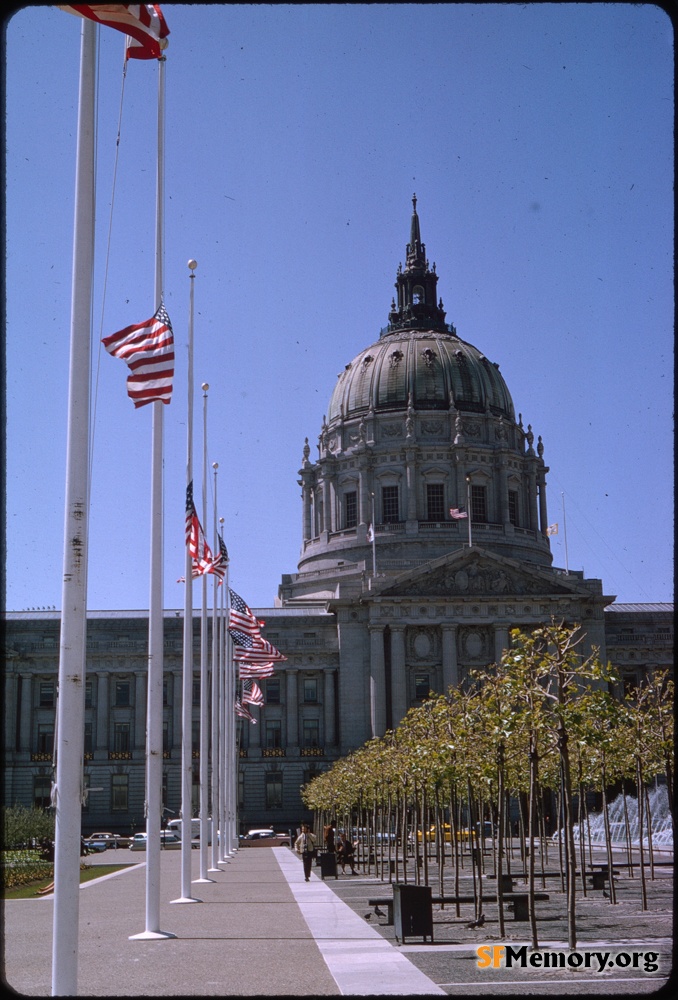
(168, 841)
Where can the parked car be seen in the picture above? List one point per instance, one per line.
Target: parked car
(265, 837)
(168, 841)
(102, 841)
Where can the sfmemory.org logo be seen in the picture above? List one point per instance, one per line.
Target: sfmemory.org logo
(500, 956)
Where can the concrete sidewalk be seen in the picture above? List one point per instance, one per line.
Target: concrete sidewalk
(259, 930)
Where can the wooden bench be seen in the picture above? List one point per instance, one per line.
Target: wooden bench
(519, 901)
(601, 876)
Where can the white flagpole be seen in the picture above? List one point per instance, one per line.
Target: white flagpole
(215, 755)
(224, 800)
(204, 674)
(69, 742)
(153, 804)
(567, 568)
(468, 510)
(187, 677)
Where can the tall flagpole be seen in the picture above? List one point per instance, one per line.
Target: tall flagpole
(204, 673)
(153, 804)
(187, 676)
(224, 799)
(215, 755)
(468, 510)
(67, 790)
(567, 568)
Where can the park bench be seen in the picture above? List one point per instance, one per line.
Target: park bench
(519, 901)
(600, 876)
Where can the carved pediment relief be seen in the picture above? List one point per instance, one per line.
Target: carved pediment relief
(477, 574)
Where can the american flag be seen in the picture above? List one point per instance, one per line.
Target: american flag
(243, 712)
(457, 513)
(247, 670)
(252, 648)
(240, 617)
(252, 693)
(148, 349)
(143, 23)
(201, 554)
(220, 562)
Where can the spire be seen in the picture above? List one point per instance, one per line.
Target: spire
(416, 303)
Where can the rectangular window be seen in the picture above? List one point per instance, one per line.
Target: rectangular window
(89, 745)
(119, 792)
(478, 504)
(273, 733)
(422, 686)
(122, 694)
(272, 691)
(121, 742)
(45, 738)
(350, 510)
(435, 502)
(196, 692)
(513, 507)
(310, 690)
(274, 790)
(195, 736)
(241, 789)
(166, 745)
(42, 790)
(311, 733)
(165, 691)
(46, 694)
(389, 504)
(88, 694)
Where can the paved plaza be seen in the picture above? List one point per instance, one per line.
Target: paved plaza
(261, 930)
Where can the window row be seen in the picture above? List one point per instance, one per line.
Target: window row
(436, 508)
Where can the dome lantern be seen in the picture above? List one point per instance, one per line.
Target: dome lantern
(416, 307)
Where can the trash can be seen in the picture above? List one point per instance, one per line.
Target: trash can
(412, 911)
(327, 860)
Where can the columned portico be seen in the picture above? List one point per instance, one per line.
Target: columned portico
(399, 699)
(377, 681)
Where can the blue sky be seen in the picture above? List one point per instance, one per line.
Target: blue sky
(539, 141)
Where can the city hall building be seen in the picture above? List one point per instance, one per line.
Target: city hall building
(395, 593)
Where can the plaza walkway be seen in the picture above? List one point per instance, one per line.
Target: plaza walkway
(261, 930)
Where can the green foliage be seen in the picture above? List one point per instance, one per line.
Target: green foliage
(20, 825)
(22, 867)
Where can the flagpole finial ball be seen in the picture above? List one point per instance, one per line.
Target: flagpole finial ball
(204, 386)
(215, 465)
(192, 264)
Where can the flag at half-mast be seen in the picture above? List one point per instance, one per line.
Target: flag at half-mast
(148, 350)
(252, 693)
(220, 561)
(259, 670)
(253, 649)
(144, 25)
(200, 552)
(243, 712)
(552, 529)
(457, 513)
(241, 617)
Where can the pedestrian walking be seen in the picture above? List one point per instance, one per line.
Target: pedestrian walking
(306, 845)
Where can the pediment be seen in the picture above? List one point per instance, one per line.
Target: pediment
(478, 573)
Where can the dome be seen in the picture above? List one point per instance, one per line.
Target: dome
(430, 369)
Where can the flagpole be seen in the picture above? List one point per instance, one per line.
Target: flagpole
(567, 568)
(468, 509)
(204, 674)
(214, 822)
(67, 790)
(224, 771)
(154, 745)
(187, 677)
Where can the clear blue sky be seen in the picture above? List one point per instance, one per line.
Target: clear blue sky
(539, 141)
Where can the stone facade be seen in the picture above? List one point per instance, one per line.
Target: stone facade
(425, 540)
